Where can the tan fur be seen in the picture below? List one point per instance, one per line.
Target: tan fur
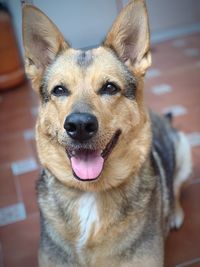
(137, 52)
(36, 20)
(128, 227)
(52, 116)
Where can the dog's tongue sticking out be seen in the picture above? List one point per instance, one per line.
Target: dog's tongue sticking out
(87, 164)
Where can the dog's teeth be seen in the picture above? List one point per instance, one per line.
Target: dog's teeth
(73, 153)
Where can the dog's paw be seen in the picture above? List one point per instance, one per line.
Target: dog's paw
(177, 219)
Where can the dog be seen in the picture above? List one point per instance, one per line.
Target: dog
(112, 170)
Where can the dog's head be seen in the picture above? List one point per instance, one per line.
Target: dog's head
(93, 131)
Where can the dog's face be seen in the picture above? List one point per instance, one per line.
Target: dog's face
(93, 131)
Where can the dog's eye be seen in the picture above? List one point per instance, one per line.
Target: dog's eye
(109, 89)
(60, 90)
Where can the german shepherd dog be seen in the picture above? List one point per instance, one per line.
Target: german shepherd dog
(112, 171)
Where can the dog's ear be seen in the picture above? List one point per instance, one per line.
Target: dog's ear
(42, 42)
(129, 36)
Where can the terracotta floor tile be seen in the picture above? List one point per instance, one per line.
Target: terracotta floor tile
(8, 194)
(17, 114)
(189, 122)
(20, 243)
(17, 98)
(193, 39)
(27, 183)
(181, 94)
(167, 57)
(24, 166)
(196, 166)
(183, 245)
(13, 148)
(15, 121)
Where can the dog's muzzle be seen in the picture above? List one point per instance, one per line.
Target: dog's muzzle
(87, 164)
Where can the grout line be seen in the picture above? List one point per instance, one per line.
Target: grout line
(188, 263)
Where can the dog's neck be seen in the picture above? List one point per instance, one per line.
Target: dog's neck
(141, 183)
(84, 214)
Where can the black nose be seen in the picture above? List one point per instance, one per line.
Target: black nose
(81, 126)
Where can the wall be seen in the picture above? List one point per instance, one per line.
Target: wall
(15, 8)
(84, 23)
(170, 14)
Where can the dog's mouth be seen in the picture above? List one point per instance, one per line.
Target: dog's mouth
(87, 164)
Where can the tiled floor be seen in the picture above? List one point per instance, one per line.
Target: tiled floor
(173, 83)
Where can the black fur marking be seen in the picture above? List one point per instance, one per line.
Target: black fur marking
(169, 116)
(163, 143)
(131, 83)
(44, 93)
(84, 58)
(130, 89)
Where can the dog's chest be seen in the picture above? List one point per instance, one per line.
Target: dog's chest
(88, 218)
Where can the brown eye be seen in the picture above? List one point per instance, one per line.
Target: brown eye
(60, 90)
(109, 88)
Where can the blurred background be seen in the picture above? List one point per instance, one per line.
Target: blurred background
(84, 23)
(172, 84)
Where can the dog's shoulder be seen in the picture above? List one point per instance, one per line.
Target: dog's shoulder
(163, 142)
(164, 138)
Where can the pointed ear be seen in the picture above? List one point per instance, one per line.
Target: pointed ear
(42, 42)
(129, 36)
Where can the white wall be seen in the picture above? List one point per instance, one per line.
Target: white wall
(84, 23)
(15, 8)
(170, 14)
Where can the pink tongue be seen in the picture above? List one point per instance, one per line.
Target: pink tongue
(87, 165)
